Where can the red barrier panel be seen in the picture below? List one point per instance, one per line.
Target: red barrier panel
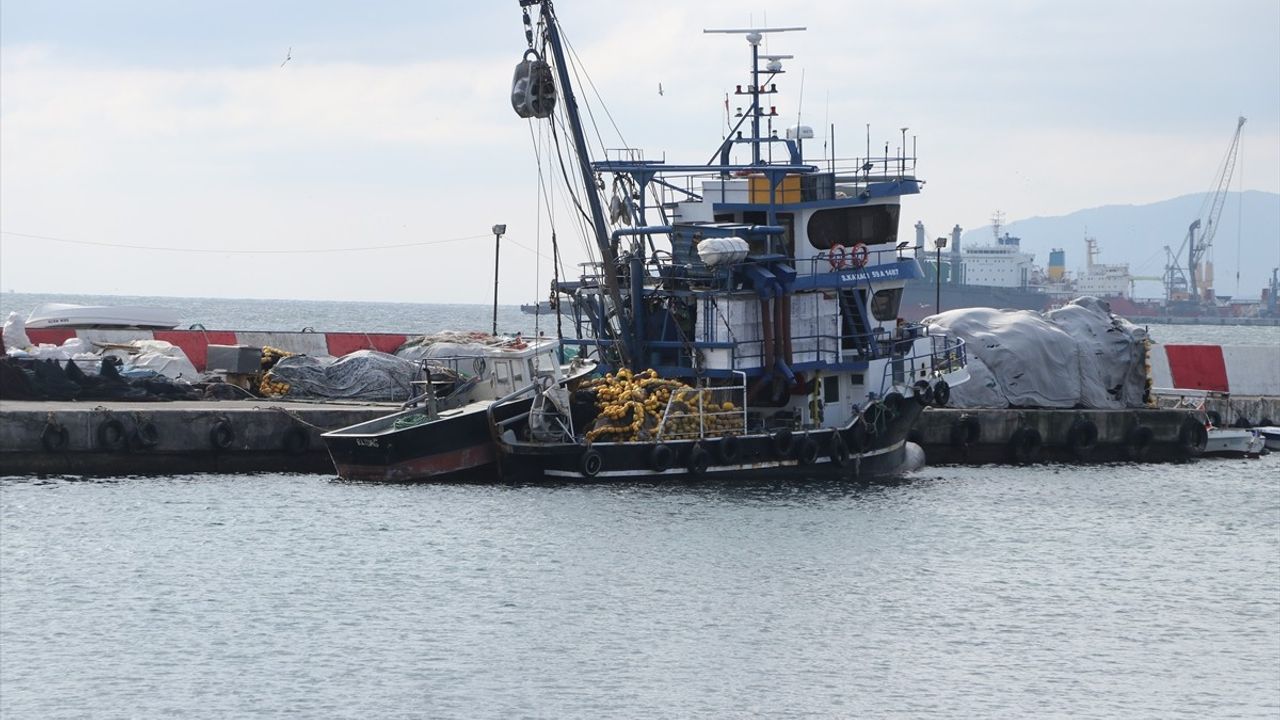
(195, 343)
(342, 343)
(1197, 367)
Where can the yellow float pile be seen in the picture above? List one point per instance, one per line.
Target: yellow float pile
(269, 387)
(632, 409)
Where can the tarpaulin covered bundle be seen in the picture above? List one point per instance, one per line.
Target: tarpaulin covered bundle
(1079, 355)
(32, 379)
(361, 375)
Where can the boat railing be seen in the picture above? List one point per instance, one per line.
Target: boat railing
(942, 355)
(705, 411)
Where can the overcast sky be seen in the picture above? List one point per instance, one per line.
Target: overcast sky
(172, 126)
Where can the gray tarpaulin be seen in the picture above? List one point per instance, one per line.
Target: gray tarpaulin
(1079, 355)
(361, 375)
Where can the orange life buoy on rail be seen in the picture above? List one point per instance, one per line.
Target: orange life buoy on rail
(838, 257)
(858, 255)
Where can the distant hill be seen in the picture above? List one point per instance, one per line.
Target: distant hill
(1137, 234)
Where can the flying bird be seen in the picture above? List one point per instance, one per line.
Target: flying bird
(288, 55)
(659, 88)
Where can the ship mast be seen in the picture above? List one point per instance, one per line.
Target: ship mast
(608, 257)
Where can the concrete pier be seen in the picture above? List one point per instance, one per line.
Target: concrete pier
(978, 436)
(129, 438)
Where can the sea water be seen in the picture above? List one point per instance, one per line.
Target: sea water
(1053, 591)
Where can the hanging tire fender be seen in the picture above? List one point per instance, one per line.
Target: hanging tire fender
(941, 394)
(923, 393)
(146, 435)
(1025, 444)
(1192, 438)
(699, 460)
(1082, 438)
(730, 449)
(111, 435)
(591, 463)
(1137, 443)
(55, 437)
(807, 450)
(296, 440)
(783, 443)
(221, 434)
(661, 457)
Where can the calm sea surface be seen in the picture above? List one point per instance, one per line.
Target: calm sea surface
(1111, 592)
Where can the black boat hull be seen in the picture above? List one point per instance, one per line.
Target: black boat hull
(457, 447)
(747, 457)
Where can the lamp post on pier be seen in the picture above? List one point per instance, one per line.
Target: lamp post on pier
(498, 231)
(937, 274)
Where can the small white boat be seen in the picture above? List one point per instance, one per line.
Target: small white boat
(1270, 437)
(66, 315)
(1233, 442)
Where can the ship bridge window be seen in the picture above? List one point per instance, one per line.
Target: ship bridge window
(502, 372)
(757, 242)
(884, 304)
(848, 226)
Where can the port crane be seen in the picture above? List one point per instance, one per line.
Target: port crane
(1182, 285)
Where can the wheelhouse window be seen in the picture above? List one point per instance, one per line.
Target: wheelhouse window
(848, 226)
(884, 304)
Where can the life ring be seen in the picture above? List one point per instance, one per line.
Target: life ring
(146, 435)
(838, 256)
(296, 440)
(1192, 438)
(699, 460)
(783, 443)
(222, 434)
(807, 451)
(923, 393)
(661, 457)
(1138, 443)
(730, 449)
(111, 435)
(965, 431)
(590, 463)
(1082, 438)
(1024, 445)
(941, 393)
(55, 437)
(839, 451)
(858, 255)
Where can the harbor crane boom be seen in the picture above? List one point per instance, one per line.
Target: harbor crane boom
(1207, 223)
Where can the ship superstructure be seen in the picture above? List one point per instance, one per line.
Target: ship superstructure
(761, 275)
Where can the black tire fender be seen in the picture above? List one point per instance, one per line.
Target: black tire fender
(924, 393)
(222, 434)
(941, 394)
(1192, 438)
(296, 440)
(807, 450)
(783, 443)
(661, 457)
(591, 463)
(1138, 443)
(1082, 438)
(111, 435)
(55, 437)
(730, 449)
(146, 435)
(699, 460)
(1025, 444)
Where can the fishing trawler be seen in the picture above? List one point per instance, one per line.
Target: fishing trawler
(745, 311)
